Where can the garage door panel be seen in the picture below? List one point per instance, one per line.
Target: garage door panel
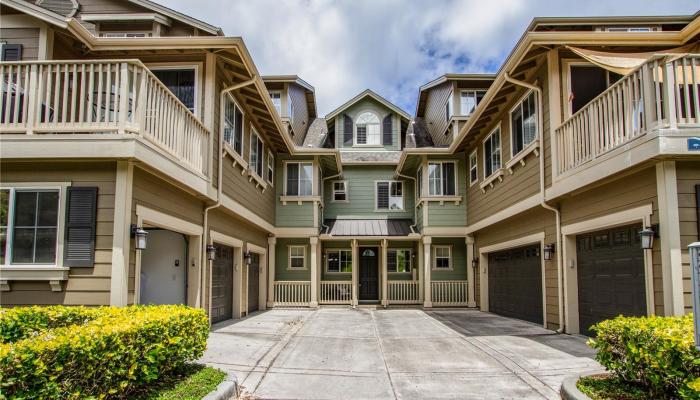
(222, 284)
(515, 283)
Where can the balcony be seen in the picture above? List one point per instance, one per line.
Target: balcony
(660, 98)
(97, 98)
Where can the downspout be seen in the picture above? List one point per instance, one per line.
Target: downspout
(543, 202)
(323, 209)
(219, 190)
(415, 206)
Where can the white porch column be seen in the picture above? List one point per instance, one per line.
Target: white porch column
(355, 272)
(271, 244)
(385, 274)
(427, 266)
(121, 236)
(471, 294)
(314, 275)
(421, 274)
(670, 238)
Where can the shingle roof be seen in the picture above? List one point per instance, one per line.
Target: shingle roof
(369, 227)
(389, 157)
(417, 134)
(317, 133)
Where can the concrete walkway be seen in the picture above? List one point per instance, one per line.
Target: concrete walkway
(395, 354)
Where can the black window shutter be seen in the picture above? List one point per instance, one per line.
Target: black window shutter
(11, 52)
(387, 131)
(382, 195)
(81, 216)
(347, 130)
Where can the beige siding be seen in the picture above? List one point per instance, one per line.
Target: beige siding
(300, 121)
(687, 175)
(435, 113)
(89, 286)
(27, 37)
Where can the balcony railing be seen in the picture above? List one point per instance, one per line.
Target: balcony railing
(335, 292)
(662, 93)
(449, 293)
(292, 293)
(402, 292)
(120, 96)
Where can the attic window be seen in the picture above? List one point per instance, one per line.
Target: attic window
(629, 29)
(129, 29)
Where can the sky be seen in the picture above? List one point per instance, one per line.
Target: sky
(391, 46)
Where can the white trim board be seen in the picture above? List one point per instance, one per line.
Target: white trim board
(162, 220)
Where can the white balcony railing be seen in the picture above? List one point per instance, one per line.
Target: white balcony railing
(402, 292)
(662, 93)
(449, 293)
(292, 293)
(335, 292)
(121, 96)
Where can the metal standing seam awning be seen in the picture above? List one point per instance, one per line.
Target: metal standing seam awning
(369, 227)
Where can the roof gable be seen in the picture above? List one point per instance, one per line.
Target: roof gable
(372, 95)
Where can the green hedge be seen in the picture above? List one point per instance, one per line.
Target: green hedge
(101, 352)
(657, 353)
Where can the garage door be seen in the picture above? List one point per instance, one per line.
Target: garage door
(253, 282)
(515, 283)
(222, 284)
(610, 275)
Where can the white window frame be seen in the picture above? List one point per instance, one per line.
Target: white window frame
(441, 162)
(289, 257)
(494, 171)
(476, 101)
(474, 167)
(355, 143)
(517, 105)
(237, 156)
(62, 189)
(253, 165)
(345, 191)
(435, 257)
(419, 182)
(270, 172)
(410, 261)
(339, 251)
(197, 67)
(449, 112)
(313, 172)
(376, 196)
(278, 93)
(290, 107)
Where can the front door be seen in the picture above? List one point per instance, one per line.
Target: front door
(369, 271)
(253, 282)
(222, 284)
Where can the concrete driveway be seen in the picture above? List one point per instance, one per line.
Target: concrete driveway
(392, 354)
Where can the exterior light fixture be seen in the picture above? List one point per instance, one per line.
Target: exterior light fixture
(549, 250)
(475, 263)
(248, 257)
(139, 234)
(647, 236)
(211, 252)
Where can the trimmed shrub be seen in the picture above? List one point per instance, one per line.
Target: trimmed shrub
(113, 354)
(657, 353)
(21, 322)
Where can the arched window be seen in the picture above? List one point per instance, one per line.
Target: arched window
(367, 130)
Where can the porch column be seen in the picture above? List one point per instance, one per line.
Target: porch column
(355, 272)
(427, 264)
(121, 237)
(271, 243)
(471, 294)
(670, 238)
(385, 275)
(314, 275)
(421, 274)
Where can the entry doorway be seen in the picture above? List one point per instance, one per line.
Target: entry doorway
(163, 275)
(369, 274)
(254, 283)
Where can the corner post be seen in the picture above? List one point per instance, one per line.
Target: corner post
(471, 293)
(271, 243)
(427, 302)
(313, 301)
(355, 272)
(385, 275)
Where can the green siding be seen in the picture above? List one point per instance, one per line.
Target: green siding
(368, 104)
(449, 214)
(361, 194)
(292, 214)
(282, 272)
(459, 260)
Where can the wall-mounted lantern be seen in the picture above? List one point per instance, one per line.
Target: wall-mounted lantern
(211, 252)
(647, 236)
(248, 258)
(139, 234)
(475, 263)
(549, 250)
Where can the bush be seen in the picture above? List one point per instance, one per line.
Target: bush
(108, 352)
(657, 353)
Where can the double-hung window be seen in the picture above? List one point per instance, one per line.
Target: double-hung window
(339, 261)
(233, 124)
(442, 258)
(367, 129)
(180, 81)
(389, 196)
(419, 183)
(523, 123)
(448, 109)
(28, 226)
(276, 98)
(398, 260)
(299, 178)
(257, 150)
(270, 168)
(468, 101)
(492, 153)
(473, 175)
(340, 191)
(297, 257)
(442, 178)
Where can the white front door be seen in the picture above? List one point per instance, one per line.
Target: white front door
(164, 268)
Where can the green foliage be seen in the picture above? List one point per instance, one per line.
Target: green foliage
(610, 387)
(657, 353)
(96, 353)
(191, 382)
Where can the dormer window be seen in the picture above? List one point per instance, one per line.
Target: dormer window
(468, 101)
(276, 98)
(367, 130)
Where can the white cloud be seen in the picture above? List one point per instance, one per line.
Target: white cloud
(390, 46)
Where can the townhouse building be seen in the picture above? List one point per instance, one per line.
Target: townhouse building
(144, 159)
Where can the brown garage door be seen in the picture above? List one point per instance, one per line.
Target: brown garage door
(222, 284)
(515, 283)
(253, 282)
(610, 275)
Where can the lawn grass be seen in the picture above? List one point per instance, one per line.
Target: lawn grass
(606, 387)
(192, 382)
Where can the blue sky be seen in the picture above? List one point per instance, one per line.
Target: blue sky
(391, 46)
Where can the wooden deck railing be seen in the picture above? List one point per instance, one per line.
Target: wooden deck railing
(292, 293)
(449, 293)
(120, 96)
(402, 292)
(662, 93)
(336, 292)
